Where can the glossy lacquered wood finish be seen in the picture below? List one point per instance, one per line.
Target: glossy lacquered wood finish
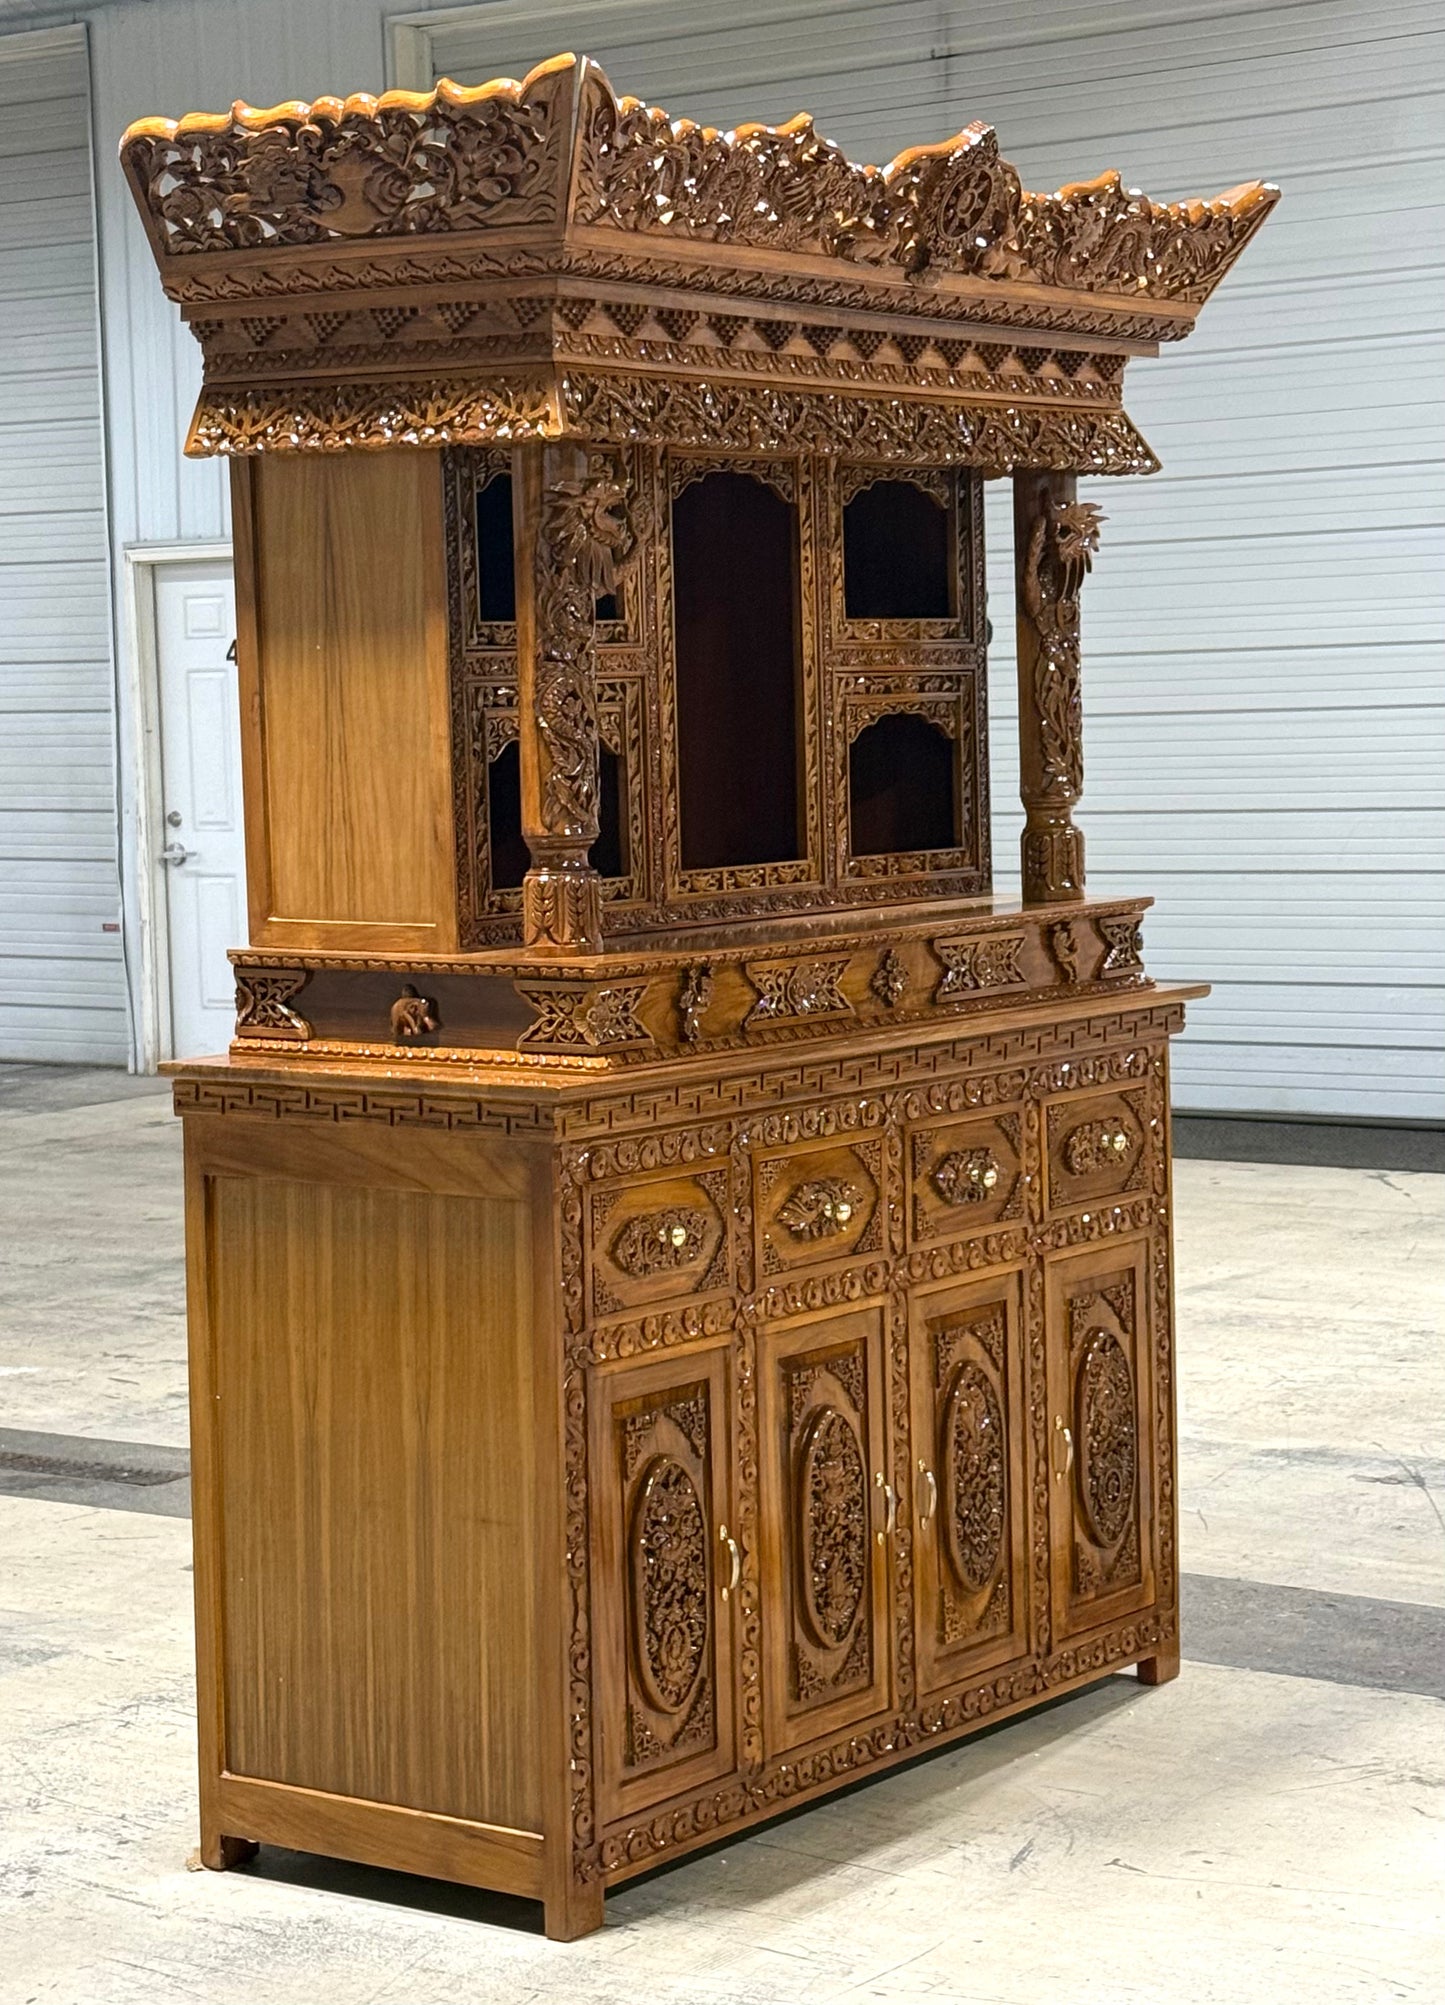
(679, 1274)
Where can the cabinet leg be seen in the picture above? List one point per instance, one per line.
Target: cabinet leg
(573, 1910)
(1161, 1667)
(220, 1852)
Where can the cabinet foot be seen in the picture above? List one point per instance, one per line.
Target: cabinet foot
(220, 1852)
(1161, 1667)
(575, 1910)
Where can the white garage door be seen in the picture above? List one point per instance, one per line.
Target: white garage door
(62, 992)
(1263, 651)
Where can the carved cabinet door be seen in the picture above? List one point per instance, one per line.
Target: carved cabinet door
(662, 1580)
(970, 1424)
(1101, 1434)
(827, 1512)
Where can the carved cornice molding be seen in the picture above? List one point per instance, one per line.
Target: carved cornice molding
(622, 409)
(545, 224)
(560, 150)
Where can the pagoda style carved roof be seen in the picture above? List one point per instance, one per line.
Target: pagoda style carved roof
(544, 258)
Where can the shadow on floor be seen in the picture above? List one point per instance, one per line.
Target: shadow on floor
(933, 1772)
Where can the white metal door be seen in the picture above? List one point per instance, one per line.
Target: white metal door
(201, 852)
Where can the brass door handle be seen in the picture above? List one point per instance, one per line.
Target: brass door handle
(1061, 1433)
(735, 1559)
(930, 1494)
(890, 1508)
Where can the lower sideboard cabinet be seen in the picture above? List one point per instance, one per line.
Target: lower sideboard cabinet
(565, 1505)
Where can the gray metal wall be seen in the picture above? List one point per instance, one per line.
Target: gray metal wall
(62, 991)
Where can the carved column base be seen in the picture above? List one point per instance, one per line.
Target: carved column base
(1053, 858)
(562, 907)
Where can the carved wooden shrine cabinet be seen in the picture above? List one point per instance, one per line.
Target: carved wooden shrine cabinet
(679, 1272)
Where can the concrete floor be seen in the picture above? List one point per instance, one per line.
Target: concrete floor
(1270, 1827)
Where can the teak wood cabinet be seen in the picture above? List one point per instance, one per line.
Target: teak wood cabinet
(679, 1271)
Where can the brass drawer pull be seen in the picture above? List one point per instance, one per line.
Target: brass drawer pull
(890, 1508)
(736, 1561)
(1061, 1433)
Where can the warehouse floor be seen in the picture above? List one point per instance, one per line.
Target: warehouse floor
(1270, 1827)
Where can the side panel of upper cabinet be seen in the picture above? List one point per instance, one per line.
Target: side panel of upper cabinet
(825, 1520)
(970, 1489)
(345, 708)
(1101, 1434)
(661, 1504)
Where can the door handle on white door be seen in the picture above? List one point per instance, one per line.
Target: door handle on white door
(175, 852)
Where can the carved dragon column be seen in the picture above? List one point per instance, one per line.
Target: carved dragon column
(569, 531)
(1055, 537)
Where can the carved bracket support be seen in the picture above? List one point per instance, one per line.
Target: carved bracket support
(1055, 538)
(570, 530)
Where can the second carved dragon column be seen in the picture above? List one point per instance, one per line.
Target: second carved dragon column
(1055, 538)
(569, 530)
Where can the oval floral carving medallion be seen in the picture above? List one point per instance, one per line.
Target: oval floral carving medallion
(973, 1459)
(669, 1585)
(833, 1527)
(1108, 1445)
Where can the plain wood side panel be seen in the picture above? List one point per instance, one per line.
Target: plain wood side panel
(371, 1374)
(353, 725)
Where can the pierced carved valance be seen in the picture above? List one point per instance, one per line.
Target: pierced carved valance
(536, 259)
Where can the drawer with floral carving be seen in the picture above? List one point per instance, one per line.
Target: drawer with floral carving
(658, 1239)
(965, 1174)
(817, 1202)
(1096, 1145)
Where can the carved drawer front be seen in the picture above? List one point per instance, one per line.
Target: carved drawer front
(662, 1578)
(656, 1239)
(964, 1174)
(1101, 1434)
(969, 1479)
(827, 1516)
(1096, 1145)
(819, 1202)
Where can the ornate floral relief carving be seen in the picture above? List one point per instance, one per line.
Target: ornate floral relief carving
(659, 1242)
(263, 1005)
(832, 1507)
(769, 418)
(889, 980)
(1106, 1469)
(974, 1477)
(958, 205)
(819, 1208)
(395, 166)
(1098, 1145)
(792, 989)
(992, 961)
(966, 1176)
(1123, 936)
(583, 1017)
(669, 1580)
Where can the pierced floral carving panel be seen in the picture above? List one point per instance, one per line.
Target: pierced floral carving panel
(822, 1636)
